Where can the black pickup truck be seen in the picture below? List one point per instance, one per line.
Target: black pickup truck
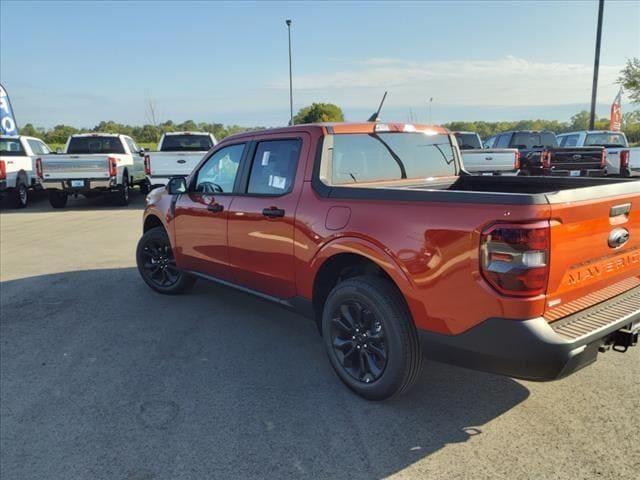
(540, 155)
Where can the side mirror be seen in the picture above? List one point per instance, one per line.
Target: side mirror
(58, 150)
(141, 152)
(176, 186)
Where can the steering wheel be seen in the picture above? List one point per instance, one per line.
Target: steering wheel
(210, 187)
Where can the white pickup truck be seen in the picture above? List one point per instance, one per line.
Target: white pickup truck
(18, 167)
(178, 154)
(486, 161)
(94, 164)
(619, 163)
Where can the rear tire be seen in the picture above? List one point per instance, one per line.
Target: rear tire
(145, 187)
(58, 199)
(157, 265)
(20, 196)
(370, 337)
(122, 195)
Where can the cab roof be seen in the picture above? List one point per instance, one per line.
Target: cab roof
(339, 128)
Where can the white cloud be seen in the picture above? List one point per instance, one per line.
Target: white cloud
(508, 81)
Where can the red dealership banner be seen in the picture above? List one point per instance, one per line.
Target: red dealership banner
(616, 113)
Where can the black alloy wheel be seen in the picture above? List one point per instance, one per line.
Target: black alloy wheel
(358, 341)
(158, 263)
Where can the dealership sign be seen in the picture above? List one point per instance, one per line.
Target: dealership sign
(8, 125)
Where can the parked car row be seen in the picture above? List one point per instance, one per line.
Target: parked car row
(95, 164)
(526, 152)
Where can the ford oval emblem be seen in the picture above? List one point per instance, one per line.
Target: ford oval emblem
(618, 237)
(577, 157)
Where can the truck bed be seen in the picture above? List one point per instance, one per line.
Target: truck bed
(487, 189)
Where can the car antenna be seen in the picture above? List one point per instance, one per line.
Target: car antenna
(376, 116)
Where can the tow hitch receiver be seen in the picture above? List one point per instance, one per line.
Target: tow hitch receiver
(625, 338)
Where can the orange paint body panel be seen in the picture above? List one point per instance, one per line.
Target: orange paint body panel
(430, 249)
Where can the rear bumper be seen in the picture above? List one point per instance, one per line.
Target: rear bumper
(599, 172)
(534, 349)
(89, 184)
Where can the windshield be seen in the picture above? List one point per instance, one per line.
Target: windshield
(11, 147)
(468, 141)
(186, 143)
(534, 140)
(355, 158)
(95, 145)
(605, 140)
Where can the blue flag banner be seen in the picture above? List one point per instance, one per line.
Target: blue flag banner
(8, 125)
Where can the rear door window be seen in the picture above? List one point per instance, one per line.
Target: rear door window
(95, 145)
(274, 166)
(11, 147)
(503, 140)
(605, 140)
(468, 141)
(568, 141)
(186, 143)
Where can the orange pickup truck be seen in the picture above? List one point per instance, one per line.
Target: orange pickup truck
(377, 233)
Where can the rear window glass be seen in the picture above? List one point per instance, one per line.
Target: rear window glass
(356, 158)
(468, 141)
(186, 143)
(605, 140)
(95, 145)
(11, 147)
(534, 139)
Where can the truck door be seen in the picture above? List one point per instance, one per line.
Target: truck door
(261, 220)
(201, 214)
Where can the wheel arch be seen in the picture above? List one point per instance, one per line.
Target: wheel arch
(346, 258)
(152, 221)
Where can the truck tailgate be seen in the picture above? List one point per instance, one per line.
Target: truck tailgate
(489, 160)
(595, 252)
(167, 164)
(75, 166)
(577, 159)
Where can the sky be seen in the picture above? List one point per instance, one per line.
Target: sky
(82, 62)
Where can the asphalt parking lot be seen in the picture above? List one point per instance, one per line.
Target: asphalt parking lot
(101, 378)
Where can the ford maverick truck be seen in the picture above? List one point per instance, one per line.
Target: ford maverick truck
(375, 232)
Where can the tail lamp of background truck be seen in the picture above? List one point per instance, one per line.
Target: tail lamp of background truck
(113, 166)
(624, 159)
(39, 172)
(3, 170)
(147, 165)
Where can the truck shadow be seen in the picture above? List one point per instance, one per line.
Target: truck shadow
(39, 203)
(106, 379)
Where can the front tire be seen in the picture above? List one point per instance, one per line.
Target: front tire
(157, 265)
(145, 187)
(370, 337)
(58, 199)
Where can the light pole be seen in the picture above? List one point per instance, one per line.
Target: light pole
(596, 67)
(430, 102)
(288, 21)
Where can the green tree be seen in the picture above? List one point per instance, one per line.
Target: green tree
(630, 79)
(30, 131)
(319, 112)
(580, 121)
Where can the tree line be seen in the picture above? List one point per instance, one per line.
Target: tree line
(149, 134)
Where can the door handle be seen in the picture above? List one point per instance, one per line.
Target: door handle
(182, 161)
(215, 208)
(273, 212)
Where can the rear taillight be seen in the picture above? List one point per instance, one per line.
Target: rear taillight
(147, 165)
(515, 258)
(39, 173)
(516, 163)
(113, 166)
(603, 159)
(624, 159)
(546, 159)
(3, 170)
